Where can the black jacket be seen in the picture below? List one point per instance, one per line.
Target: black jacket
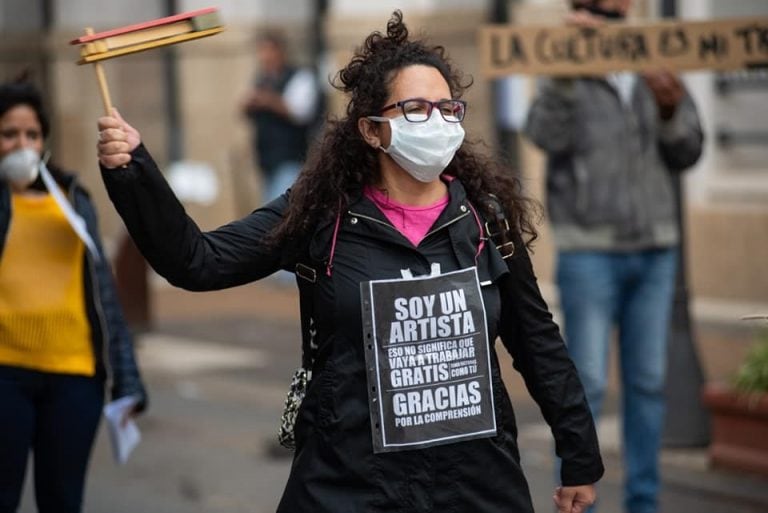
(111, 339)
(334, 468)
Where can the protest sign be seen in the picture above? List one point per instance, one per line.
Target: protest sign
(726, 44)
(428, 361)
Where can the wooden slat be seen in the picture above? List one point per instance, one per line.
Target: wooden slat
(148, 45)
(143, 25)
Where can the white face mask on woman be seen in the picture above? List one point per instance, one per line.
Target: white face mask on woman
(423, 149)
(20, 167)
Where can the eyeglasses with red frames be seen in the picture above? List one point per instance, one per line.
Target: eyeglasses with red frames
(418, 110)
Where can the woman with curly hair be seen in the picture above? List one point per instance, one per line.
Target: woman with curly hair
(408, 249)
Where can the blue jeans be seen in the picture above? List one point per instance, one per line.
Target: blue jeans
(633, 291)
(55, 416)
(277, 180)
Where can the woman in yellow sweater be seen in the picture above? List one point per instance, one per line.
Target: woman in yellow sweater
(62, 333)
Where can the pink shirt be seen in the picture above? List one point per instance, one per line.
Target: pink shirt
(413, 222)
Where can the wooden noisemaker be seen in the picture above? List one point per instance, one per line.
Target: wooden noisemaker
(96, 47)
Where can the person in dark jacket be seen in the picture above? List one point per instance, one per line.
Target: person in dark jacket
(283, 105)
(404, 292)
(62, 332)
(613, 145)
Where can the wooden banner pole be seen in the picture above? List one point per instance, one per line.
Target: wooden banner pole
(101, 77)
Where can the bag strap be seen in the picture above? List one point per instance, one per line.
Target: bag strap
(306, 277)
(497, 228)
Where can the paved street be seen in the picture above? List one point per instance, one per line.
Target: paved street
(218, 366)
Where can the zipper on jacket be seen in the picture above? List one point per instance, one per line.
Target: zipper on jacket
(582, 180)
(96, 298)
(373, 219)
(8, 227)
(447, 223)
(102, 321)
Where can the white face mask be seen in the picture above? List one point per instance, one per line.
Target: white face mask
(20, 167)
(424, 149)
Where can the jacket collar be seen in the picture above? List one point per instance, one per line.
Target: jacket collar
(361, 205)
(459, 217)
(363, 214)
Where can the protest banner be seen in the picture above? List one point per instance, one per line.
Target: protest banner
(428, 361)
(726, 44)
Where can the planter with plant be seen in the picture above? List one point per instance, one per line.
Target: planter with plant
(740, 414)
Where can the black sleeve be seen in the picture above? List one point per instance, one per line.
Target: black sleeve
(539, 354)
(173, 244)
(681, 139)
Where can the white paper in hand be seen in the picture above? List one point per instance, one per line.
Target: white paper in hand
(124, 434)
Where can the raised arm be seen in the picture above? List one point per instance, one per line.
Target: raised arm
(552, 120)
(168, 238)
(680, 136)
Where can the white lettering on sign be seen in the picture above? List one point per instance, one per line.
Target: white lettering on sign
(440, 398)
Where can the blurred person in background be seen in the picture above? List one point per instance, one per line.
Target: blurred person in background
(390, 186)
(62, 333)
(613, 145)
(284, 106)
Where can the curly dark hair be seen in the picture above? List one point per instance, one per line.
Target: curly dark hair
(341, 163)
(22, 92)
